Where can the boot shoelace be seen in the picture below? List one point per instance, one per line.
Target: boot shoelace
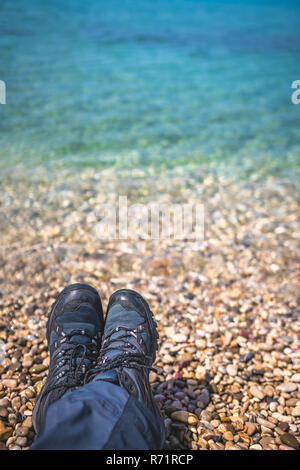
(73, 376)
(131, 355)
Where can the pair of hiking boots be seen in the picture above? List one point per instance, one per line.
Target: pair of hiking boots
(84, 347)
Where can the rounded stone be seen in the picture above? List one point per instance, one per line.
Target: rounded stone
(287, 387)
(256, 392)
(289, 440)
(232, 370)
(184, 417)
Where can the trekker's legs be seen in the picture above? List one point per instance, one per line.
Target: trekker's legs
(115, 409)
(99, 415)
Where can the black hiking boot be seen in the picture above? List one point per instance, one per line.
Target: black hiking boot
(128, 348)
(74, 331)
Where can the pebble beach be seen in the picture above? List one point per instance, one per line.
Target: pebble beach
(228, 368)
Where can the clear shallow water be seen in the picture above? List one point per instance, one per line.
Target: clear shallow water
(150, 83)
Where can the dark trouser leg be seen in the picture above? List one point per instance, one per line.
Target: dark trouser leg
(98, 415)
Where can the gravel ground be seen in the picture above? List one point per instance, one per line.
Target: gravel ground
(228, 369)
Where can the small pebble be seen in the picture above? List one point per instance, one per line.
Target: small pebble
(287, 387)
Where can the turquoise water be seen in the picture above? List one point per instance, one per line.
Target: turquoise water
(149, 83)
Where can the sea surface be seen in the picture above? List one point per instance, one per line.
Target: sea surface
(150, 84)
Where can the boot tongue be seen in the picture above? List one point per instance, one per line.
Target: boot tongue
(117, 318)
(80, 328)
(80, 321)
